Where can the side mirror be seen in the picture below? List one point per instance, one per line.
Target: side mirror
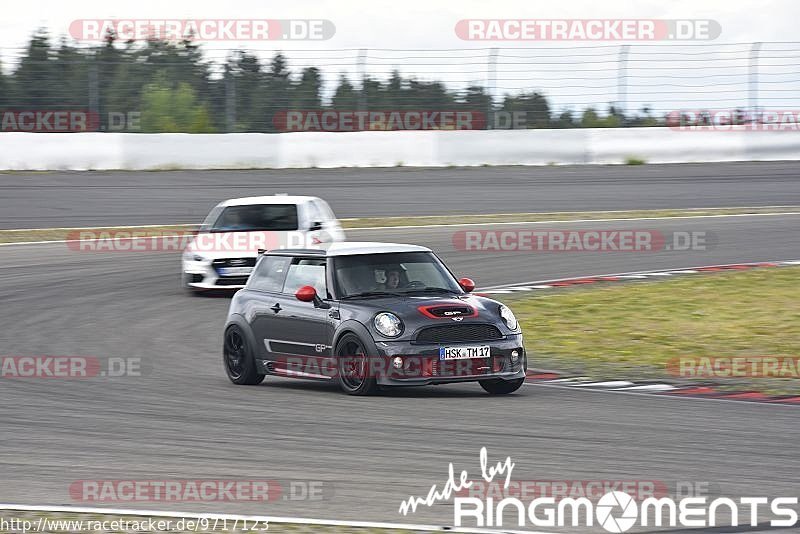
(309, 294)
(316, 225)
(306, 294)
(467, 284)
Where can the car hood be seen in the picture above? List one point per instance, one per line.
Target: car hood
(438, 307)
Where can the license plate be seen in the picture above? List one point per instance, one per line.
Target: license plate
(463, 353)
(235, 271)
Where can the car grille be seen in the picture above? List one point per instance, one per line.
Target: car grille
(234, 262)
(232, 281)
(459, 332)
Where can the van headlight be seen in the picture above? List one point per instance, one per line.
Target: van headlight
(508, 317)
(388, 324)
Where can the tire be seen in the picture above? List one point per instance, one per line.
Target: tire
(498, 386)
(237, 357)
(352, 365)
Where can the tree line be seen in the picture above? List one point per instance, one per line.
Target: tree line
(172, 87)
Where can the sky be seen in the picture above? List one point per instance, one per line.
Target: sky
(410, 23)
(430, 25)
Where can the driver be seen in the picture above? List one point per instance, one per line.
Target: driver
(234, 221)
(393, 279)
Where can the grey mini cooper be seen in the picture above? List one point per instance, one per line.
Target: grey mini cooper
(368, 315)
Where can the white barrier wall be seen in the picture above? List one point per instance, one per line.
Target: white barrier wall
(100, 151)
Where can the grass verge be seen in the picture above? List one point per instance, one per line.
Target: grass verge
(632, 330)
(633, 160)
(108, 232)
(61, 234)
(369, 222)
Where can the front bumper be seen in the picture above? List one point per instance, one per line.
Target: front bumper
(203, 275)
(423, 366)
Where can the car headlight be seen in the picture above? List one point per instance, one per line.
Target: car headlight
(508, 317)
(388, 324)
(198, 257)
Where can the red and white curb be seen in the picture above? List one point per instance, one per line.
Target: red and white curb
(657, 388)
(626, 277)
(708, 391)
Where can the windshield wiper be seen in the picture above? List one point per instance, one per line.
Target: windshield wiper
(371, 294)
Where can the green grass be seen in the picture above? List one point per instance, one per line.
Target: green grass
(631, 330)
(426, 220)
(633, 160)
(61, 234)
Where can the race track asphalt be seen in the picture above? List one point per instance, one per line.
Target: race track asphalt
(77, 199)
(184, 420)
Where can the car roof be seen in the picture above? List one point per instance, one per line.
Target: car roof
(268, 199)
(352, 248)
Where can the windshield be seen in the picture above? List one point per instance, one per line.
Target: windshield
(395, 273)
(253, 217)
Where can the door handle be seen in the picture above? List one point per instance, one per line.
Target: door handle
(276, 308)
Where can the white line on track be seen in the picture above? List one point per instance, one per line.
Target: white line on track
(609, 384)
(650, 387)
(631, 391)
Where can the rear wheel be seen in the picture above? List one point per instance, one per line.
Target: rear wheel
(240, 365)
(354, 372)
(498, 386)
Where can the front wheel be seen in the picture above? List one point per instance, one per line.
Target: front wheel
(240, 365)
(356, 376)
(498, 386)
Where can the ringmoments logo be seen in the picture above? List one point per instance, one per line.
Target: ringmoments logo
(615, 511)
